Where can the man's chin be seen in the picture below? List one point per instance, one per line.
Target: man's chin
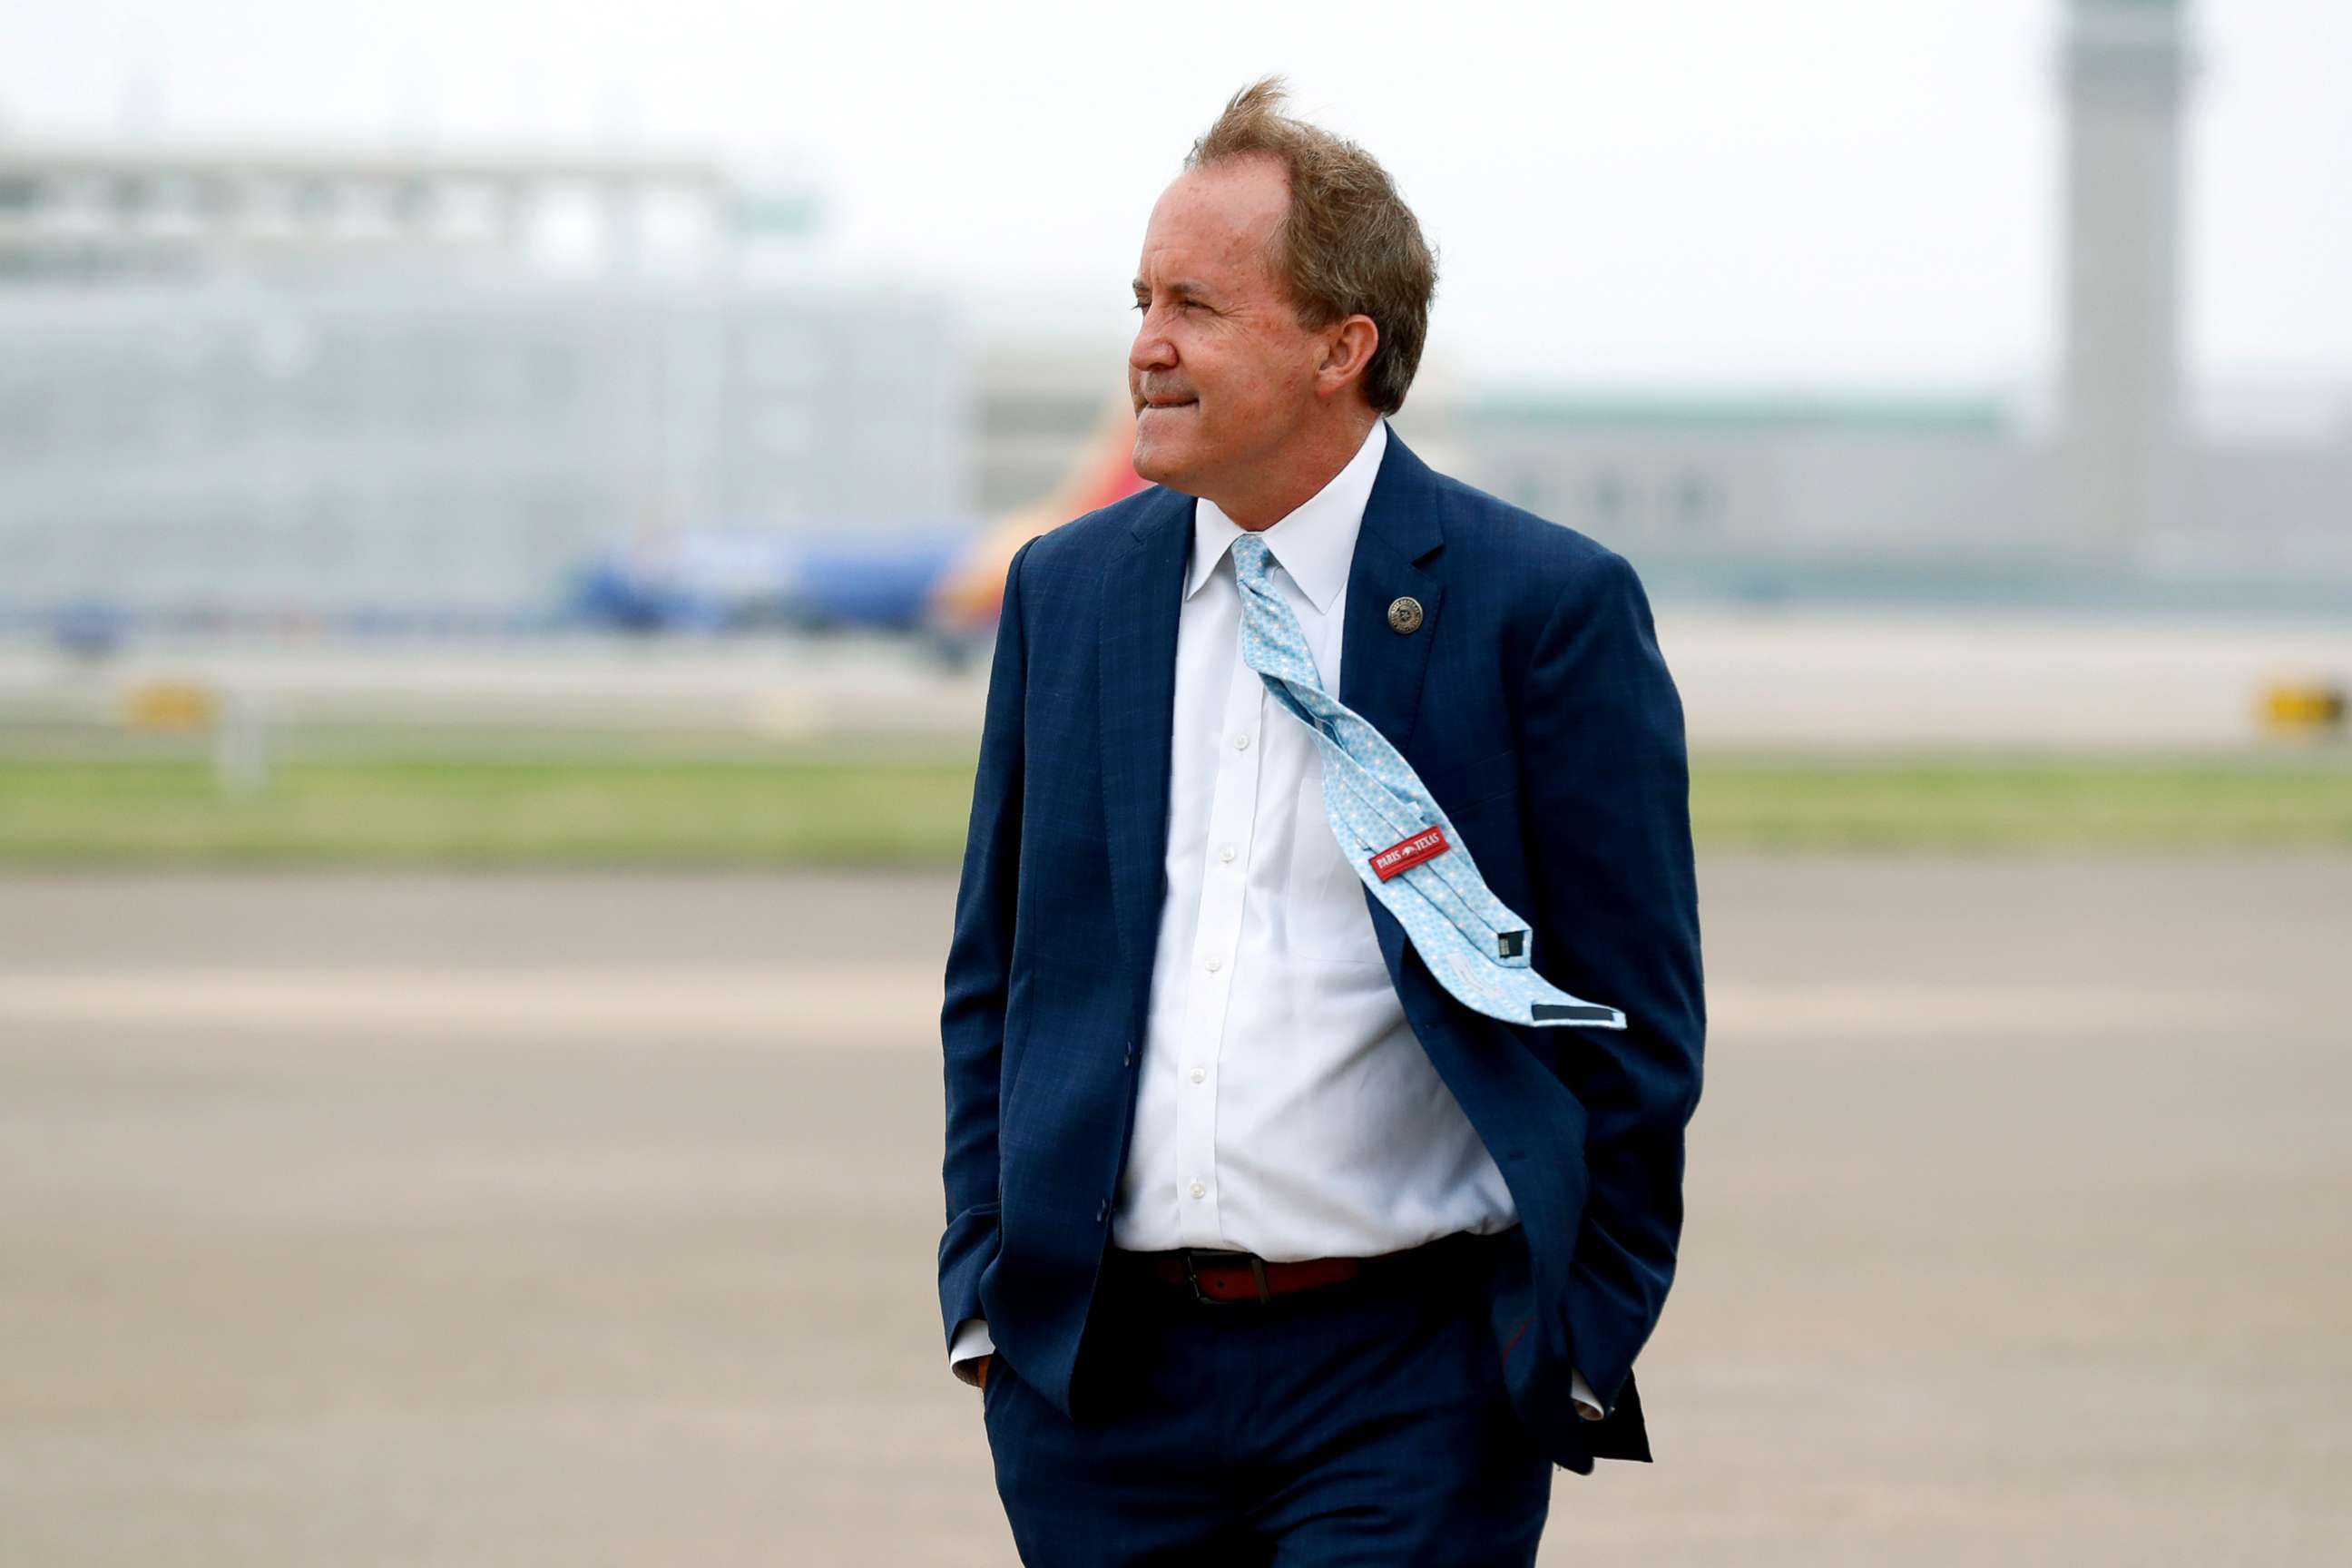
(1160, 462)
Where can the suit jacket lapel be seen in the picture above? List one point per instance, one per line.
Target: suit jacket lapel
(1142, 591)
(1381, 670)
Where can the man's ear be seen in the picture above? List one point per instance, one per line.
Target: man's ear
(1347, 346)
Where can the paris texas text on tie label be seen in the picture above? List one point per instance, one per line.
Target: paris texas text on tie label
(1399, 858)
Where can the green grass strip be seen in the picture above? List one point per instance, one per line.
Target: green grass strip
(910, 810)
(2038, 805)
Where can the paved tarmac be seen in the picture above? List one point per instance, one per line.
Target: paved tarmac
(590, 1220)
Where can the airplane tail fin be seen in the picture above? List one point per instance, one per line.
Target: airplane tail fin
(972, 594)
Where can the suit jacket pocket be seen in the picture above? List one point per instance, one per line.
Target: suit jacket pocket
(988, 1390)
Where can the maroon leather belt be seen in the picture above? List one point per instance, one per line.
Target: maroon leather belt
(1229, 1279)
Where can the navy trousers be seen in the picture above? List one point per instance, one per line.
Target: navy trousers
(1358, 1424)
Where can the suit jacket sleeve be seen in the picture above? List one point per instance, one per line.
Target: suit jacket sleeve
(978, 973)
(1609, 824)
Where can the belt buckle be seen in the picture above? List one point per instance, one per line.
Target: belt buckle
(1193, 1276)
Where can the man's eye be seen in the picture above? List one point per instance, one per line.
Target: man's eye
(1142, 305)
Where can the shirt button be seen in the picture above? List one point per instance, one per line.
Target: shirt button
(1224, 851)
(1199, 1075)
(1200, 1189)
(1215, 964)
(1240, 743)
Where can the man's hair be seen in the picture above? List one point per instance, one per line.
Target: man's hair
(1349, 244)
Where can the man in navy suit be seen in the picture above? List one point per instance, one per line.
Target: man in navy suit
(1259, 1238)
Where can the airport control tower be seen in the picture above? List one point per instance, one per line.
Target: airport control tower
(2127, 67)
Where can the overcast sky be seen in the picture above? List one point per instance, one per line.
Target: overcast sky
(1671, 193)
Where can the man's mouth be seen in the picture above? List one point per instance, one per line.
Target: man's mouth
(1168, 403)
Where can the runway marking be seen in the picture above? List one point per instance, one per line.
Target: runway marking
(850, 1005)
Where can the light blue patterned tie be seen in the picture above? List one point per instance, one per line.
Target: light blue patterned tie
(1477, 948)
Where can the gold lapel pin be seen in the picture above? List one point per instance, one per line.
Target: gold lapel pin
(1405, 615)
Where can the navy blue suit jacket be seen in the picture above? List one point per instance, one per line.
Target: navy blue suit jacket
(1534, 704)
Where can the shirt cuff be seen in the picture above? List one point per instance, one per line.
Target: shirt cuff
(1588, 1404)
(971, 1343)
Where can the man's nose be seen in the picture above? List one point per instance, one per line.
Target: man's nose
(1151, 349)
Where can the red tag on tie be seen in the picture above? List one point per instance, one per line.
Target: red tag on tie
(1426, 845)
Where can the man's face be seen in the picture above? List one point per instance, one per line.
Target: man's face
(1222, 372)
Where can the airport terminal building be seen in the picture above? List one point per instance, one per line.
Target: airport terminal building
(242, 385)
(2131, 484)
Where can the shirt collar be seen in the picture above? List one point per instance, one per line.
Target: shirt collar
(1315, 543)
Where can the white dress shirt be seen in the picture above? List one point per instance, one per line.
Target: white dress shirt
(1284, 1106)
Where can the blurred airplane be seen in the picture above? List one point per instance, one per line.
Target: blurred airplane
(946, 591)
